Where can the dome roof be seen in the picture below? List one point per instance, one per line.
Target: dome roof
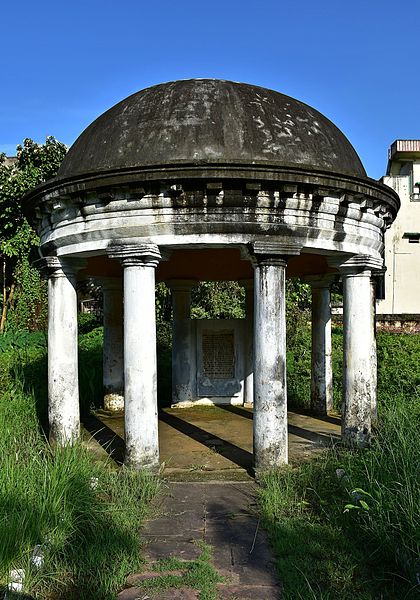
(210, 121)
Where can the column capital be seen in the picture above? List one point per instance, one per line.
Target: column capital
(54, 266)
(272, 253)
(132, 255)
(358, 264)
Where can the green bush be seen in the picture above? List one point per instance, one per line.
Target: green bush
(91, 370)
(29, 309)
(88, 321)
(218, 300)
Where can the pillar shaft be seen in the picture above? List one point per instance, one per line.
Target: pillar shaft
(113, 354)
(373, 356)
(270, 396)
(321, 380)
(63, 381)
(183, 355)
(358, 380)
(140, 376)
(249, 343)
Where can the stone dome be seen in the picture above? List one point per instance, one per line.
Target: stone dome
(210, 121)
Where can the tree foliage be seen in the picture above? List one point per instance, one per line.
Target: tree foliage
(34, 164)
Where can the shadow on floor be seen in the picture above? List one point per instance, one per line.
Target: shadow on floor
(110, 441)
(114, 445)
(321, 439)
(234, 453)
(318, 438)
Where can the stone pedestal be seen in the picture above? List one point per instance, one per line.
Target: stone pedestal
(140, 378)
(183, 355)
(113, 352)
(63, 381)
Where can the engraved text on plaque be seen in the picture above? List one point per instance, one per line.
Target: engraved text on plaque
(218, 354)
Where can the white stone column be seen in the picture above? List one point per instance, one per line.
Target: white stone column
(359, 379)
(140, 378)
(249, 342)
(113, 350)
(321, 357)
(373, 356)
(270, 390)
(183, 347)
(63, 380)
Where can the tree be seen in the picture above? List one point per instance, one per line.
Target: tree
(34, 164)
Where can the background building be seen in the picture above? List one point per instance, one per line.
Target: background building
(402, 239)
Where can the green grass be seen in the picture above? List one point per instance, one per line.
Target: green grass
(198, 574)
(85, 514)
(90, 531)
(357, 536)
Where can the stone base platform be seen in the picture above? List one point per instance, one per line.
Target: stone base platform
(212, 443)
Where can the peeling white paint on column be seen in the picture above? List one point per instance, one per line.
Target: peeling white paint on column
(321, 359)
(249, 342)
(358, 380)
(63, 384)
(113, 353)
(270, 390)
(140, 377)
(374, 357)
(183, 351)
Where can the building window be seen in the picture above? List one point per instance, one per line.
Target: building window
(415, 195)
(413, 238)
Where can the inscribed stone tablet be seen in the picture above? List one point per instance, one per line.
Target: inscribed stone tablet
(218, 354)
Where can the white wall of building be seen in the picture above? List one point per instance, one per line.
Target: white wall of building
(402, 243)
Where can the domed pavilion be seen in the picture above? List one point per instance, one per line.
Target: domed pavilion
(207, 179)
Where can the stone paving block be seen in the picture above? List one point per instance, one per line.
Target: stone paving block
(183, 593)
(248, 592)
(134, 593)
(136, 578)
(163, 548)
(223, 516)
(187, 523)
(264, 574)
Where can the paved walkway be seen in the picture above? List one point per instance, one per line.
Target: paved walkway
(223, 516)
(200, 448)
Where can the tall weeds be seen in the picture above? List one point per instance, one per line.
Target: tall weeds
(389, 474)
(85, 515)
(348, 524)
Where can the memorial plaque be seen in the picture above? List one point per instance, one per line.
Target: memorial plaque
(218, 354)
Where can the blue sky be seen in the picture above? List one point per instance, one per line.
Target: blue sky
(357, 62)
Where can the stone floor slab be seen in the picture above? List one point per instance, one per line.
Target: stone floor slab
(248, 592)
(136, 578)
(188, 439)
(230, 526)
(164, 548)
(135, 593)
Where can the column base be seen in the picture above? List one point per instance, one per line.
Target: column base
(135, 463)
(355, 438)
(114, 402)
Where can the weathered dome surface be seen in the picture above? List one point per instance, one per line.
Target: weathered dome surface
(210, 121)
